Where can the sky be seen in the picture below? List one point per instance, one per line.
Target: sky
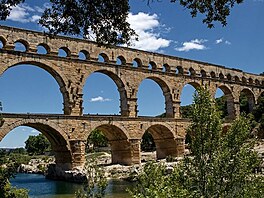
(162, 27)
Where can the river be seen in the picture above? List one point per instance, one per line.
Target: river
(39, 187)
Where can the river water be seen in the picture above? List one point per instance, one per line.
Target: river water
(39, 187)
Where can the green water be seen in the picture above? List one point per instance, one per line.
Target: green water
(39, 187)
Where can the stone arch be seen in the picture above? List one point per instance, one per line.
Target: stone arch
(203, 73)
(121, 59)
(229, 77)
(56, 135)
(221, 76)
(164, 139)
(85, 54)
(251, 99)
(179, 70)
(119, 142)
(166, 93)
(45, 46)
(250, 81)
(138, 62)
(3, 41)
(192, 72)
(152, 65)
(237, 79)
(212, 74)
(166, 68)
(229, 100)
(66, 50)
(104, 56)
(257, 82)
(60, 79)
(24, 43)
(121, 89)
(244, 80)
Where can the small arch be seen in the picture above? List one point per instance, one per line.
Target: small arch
(21, 45)
(166, 68)
(120, 60)
(203, 73)
(64, 52)
(84, 55)
(244, 80)
(212, 74)
(229, 77)
(250, 81)
(237, 79)
(43, 49)
(2, 42)
(221, 76)
(192, 72)
(152, 65)
(137, 62)
(103, 58)
(179, 70)
(257, 82)
(262, 82)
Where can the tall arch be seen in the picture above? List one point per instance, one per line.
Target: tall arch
(229, 100)
(60, 79)
(166, 93)
(57, 137)
(165, 141)
(120, 87)
(247, 100)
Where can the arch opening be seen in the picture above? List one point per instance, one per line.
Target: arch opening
(179, 70)
(107, 97)
(2, 42)
(103, 58)
(117, 142)
(64, 52)
(137, 62)
(212, 74)
(247, 101)
(203, 73)
(186, 98)
(50, 143)
(83, 55)
(163, 140)
(152, 65)
(166, 68)
(225, 102)
(120, 60)
(43, 49)
(37, 89)
(158, 96)
(21, 46)
(192, 72)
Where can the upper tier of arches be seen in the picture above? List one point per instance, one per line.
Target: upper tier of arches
(89, 51)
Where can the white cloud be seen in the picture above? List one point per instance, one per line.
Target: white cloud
(99, 99)
(24, 13)
(196, 44)
(223, 41)
(34, 131)
(219, 41)
(144, 26)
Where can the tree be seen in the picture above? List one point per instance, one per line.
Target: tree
(96, 139)
(37, 144)
(220, 165)
(106, 20)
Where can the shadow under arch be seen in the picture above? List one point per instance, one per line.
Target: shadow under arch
(60, 79)
(58, 139)
(166, 93)
(165, 141)
(124, 111)
(121, 149)
(231, 114)
(251, 100)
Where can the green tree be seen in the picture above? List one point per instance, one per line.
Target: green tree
(96, 139)
(107, 19)
(220, 165)
(37, 144)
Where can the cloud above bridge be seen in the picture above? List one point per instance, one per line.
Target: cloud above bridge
(196, 44)
(100, 99)
(148, 29)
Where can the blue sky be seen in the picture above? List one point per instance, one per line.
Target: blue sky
(162, 27)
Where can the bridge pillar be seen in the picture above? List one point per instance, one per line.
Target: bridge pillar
(125, 152)
(236, 109)
(132, 107)
(169, 147)
(176, 109)
(78, 153)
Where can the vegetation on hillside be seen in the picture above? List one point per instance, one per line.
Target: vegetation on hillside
(220, 165)
(37, 145)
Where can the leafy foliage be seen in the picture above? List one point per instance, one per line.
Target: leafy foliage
(37, 144)
(105, 21)
(148, 143)
(220, 165)
(96, 182)
(96, 139)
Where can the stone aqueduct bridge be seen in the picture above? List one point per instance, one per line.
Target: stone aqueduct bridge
(127, 68)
